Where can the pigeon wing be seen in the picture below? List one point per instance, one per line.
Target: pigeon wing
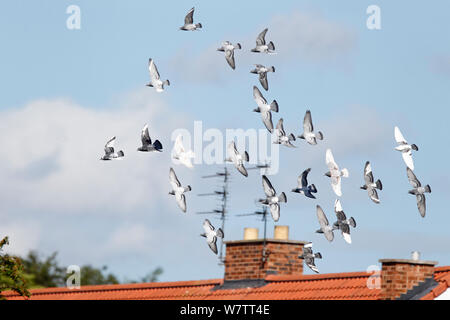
(368, 176)
(212, 244)
(263, 80)
(207, 226)
(310, 263)
(399, 137)
(307, 123)
(323, 221)
(421, 204)
(145, 136)
(280, 127)
(260, 40)
(275, 211)
(267, 186)
(173, 179)
(407, 158)
(412, 178)
(109, 146)
(181, 201)
(329, 159)
(373, 195)
(267, 120)
(179, 148)
(229, 56)
(336, 185)
(260, 100)
(303, 179)
(189, 19)
(154, 74)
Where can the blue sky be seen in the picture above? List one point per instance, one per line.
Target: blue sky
(64, 92)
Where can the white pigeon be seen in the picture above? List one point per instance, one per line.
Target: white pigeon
(272, 200)
(189, 24)
(308, 255)
(308, 130)
(237, 159)
(110, 154)
(282, 138)
(418, 191)
(155, 79)
(325, 227)
(405, 148)
(264, 108)
(228, 48)
(180, 153)
(370, 185)
(261, 46)
(178, 190)
(211, 235)
(335, 173)
(343, 223)
(262, 72)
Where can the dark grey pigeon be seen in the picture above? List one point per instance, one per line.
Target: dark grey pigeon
(272, 200)
(262, 72)
(343, 223)
(211, 235)
(303, 187)
(418, 191)
(370, 185)
(189, 24)
(308, 255)
(261, 46)
(147, 145)
(110, 154)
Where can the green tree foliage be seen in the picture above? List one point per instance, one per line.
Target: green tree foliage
(92, 276)
(11, 273)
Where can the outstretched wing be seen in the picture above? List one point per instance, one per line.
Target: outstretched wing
(260, 40)
(109, 146)
(189, 19)
(407, 158)
(310, 263)
(368, 176)
(263, 80)
(421, 204)
(257, 95)
(207, 226)
(232, 150)
(178, 147)
(154, 74)
(280, 127)
(399, 137)
(412, 178)
(212, 244)
(307, 122)
(267, 186)
(373, 195)
(323, 221)
(173, 179)
(181, 201)
(145, 136)
(229, 56)
(303, 179)
(275, 211)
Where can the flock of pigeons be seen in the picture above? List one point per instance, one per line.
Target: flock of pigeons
(272, 200)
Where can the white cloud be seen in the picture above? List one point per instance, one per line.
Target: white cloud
(23, 236)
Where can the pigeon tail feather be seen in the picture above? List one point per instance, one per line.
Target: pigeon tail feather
(246, 156)
(379, 184)
(219, 233)
(166, 82)
(319, 135)
(274, 106)
(199, 25)
(271, 46)
(352, 222)
(272, 69)
(120, 154)
(158, 146)
(428, 188)
(282, 197)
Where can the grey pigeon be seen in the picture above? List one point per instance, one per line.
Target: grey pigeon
(272, 200)
(303, 187)
(325, 227)
(343, 223)
(155, 79)
(228, 48)
(264, 108)
(189, 24)
(405, 148)
(308, 130)
(261, 46)
(110, 154)
(282, 138)
(211, 235)
(308, 255)
(237, 158)
(147, 145)
(178, 190)
(370, 185)
(262, 72)
(418, 191)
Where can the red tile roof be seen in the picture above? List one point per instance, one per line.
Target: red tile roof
(342, 286)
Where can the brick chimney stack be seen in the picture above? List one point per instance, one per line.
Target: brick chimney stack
(254, 258)
(398, 276)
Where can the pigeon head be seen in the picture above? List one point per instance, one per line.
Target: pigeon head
(319, 231)
(172, 193)
(203, 235)
(256, 110)
(412, 191)
(254, 71)
(364, 187)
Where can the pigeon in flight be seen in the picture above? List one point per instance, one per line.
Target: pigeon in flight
(335, 173)
(325, 227)
(261, 46)
(303, 187)
(343, 223)
(228, 48)
(155, 80)
(282, 138)
(264, 108)
(262, 72)
(211, 235)
(418, 191)
(272, 200)
(147, 144)
(178, 190)
(109, 151)
(309, 256)
(308, 130)
(237, 158)
(370, 185)
(189, 24)
(405, 148)
(181, 154)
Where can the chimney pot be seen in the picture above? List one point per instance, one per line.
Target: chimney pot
(281, 233)
(250, 233)
(415, 255)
